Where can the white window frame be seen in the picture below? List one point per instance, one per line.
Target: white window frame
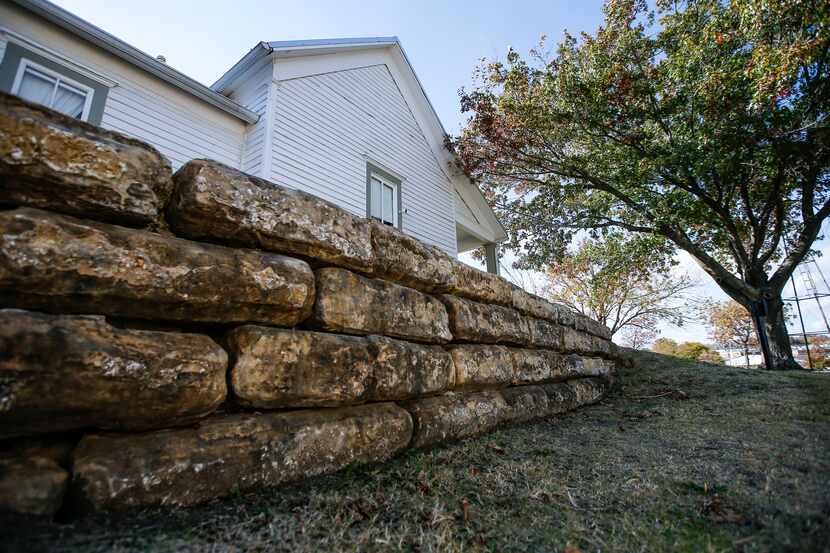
(395, 191)
(59, 78)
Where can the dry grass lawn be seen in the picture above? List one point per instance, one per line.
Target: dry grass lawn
(686, 457)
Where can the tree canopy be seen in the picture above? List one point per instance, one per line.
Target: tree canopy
(703, 122)
(622, 281)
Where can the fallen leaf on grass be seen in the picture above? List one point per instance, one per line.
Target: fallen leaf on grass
(465, 508)
(496, 448)
(717, 511)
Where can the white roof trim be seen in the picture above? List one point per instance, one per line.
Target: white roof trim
(134, 56)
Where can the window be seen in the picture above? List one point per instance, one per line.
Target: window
(41, 85)
(383, 196)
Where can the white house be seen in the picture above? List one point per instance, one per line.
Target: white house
(344, 119)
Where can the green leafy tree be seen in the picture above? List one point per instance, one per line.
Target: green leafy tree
(703, 122)
(696, 351)
(710, 356)
(665, 346)
(624, 282)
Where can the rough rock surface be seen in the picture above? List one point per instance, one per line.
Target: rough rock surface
(489, 324)
(31, 485)
(588, 390)
(596, 328)
(408, 261)
(232, 452)
(481, 366)
(57, 447)
(294, 368)
(565, 396)
(544, 334)
(526, 403)
(575, 341)
(481, 286)
(52, 161)
(404, 370)
(64, 372)
(561, 397)
(455, 416)
(353, 304)
(535, 306)
(533, 366)
(217, 202)
(591, 366)
(278, 368)
(59, 263)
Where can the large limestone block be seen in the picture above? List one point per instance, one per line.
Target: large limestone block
(584, 323)
(575, 341)
(545, 334)
(59, 263)
(292, 368)
(353, 304)
(485, 323)
(481, 366)
(536, 306)
(233, 452)
(532, 366)
(213, 201)
(477, 285)
(278, 368)
(565, 396)
(52, 161)
(588, 390)
(408, 261)
(455, 416)
(526, 403)
(64, 372)
(590, 366)
(561, 397)
(405, 370)
(31, 485)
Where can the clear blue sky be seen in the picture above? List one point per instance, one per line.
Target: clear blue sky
(444, 41)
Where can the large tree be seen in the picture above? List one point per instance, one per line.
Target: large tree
(622, 281)
(704, 122)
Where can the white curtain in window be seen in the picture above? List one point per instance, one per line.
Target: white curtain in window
(36, 88)
(388, 204)
(374, 199)
(69, 100)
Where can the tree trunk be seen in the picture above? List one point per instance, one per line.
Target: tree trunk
(780, 350)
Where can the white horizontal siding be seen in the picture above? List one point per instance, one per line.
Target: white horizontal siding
(180, 126)
(325, 128)
(253, 94)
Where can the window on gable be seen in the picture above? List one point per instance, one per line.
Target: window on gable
(383, 197)
(41, 85)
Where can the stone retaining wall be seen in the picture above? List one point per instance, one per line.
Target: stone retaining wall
(170, 339)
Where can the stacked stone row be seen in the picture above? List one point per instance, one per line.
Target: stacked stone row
(176, 324)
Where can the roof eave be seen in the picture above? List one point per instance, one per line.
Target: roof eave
(134, 56)
(238, 69)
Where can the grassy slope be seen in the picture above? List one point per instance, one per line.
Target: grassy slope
(687, 458)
